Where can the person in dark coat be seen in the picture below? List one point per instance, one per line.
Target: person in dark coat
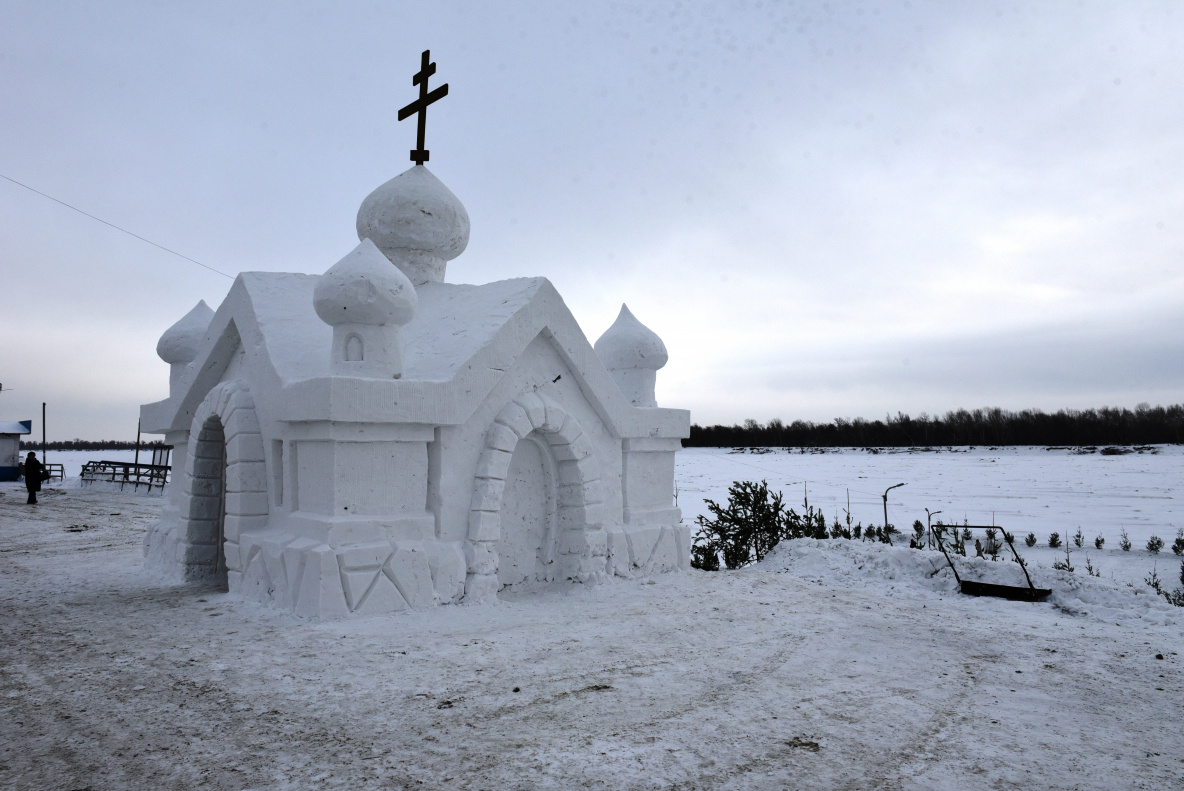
(34, 474)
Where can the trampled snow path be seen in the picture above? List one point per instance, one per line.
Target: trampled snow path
(736, 680)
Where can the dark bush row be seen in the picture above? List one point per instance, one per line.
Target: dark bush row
(89, 444)
(1146, 425)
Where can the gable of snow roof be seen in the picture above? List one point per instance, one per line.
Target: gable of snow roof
(456, 348)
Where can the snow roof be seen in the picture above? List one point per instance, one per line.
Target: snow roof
(452, 323)
(15, 427)
(456, 348)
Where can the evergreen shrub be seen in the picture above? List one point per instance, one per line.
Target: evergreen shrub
(754, 521)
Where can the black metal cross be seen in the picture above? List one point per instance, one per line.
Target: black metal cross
(420, 154)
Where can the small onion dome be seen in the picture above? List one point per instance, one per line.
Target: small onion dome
(179, 344)
(364, 288)
(629, 344)
(414, 214)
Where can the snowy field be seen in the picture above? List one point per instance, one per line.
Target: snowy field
(834, 665)
(1024, 489)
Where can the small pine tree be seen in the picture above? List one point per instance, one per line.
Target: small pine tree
(958, 542)
(1078, 538)
(1063, 565)
(1176, 597)
(967, 535)
(1178, 544)
(918, 539)
(1100, 541)
(753, 522)
(1054, 540)
(1030, 540)
(1154, 544)
(992, 546)
(1124, 541)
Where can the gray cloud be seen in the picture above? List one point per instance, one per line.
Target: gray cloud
(795, 197)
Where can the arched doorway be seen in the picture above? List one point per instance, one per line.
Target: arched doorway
(545, 443)
(528, 512)
(208, 503)
(225, 486)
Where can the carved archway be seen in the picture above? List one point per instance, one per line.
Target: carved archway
(580, 542)
(225, 483)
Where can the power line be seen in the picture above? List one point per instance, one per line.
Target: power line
(113, 225)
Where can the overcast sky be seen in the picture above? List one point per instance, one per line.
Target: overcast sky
(824, 209)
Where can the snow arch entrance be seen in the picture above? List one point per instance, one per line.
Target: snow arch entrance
(525, 546)
(225, 483)
(576, 546)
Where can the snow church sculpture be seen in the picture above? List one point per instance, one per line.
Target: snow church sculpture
(375, 439)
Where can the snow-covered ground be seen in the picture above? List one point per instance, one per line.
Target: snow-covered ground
(1024, 489)
(834, 664)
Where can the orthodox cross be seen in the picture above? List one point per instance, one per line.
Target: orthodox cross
(420, 154)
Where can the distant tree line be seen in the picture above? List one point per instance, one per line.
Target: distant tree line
(1146, 425)
(90, 444)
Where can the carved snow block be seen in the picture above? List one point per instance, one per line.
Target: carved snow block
(481, 588)
(446, 561)
(484, 525)
(536, 410)
(582, 542)
(642, 542)
(487, 494)
(503, 437)
(383, 597)
(295, 559)
(619, 561)
(256, 582)
(408, 568)
(232, 555)
(271, 552)
(246, 476)
(576, 516)
(516, 418)
(367, 557)
(494, 464)
(321, 593)
(665, 555)
(682, 542)
(481, 557)
(245, 447)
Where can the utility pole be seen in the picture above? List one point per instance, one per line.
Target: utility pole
(885, 495)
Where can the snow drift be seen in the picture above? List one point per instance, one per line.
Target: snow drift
(860, 564)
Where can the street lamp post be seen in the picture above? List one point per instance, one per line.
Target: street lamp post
(929, 524)
(890, 488)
